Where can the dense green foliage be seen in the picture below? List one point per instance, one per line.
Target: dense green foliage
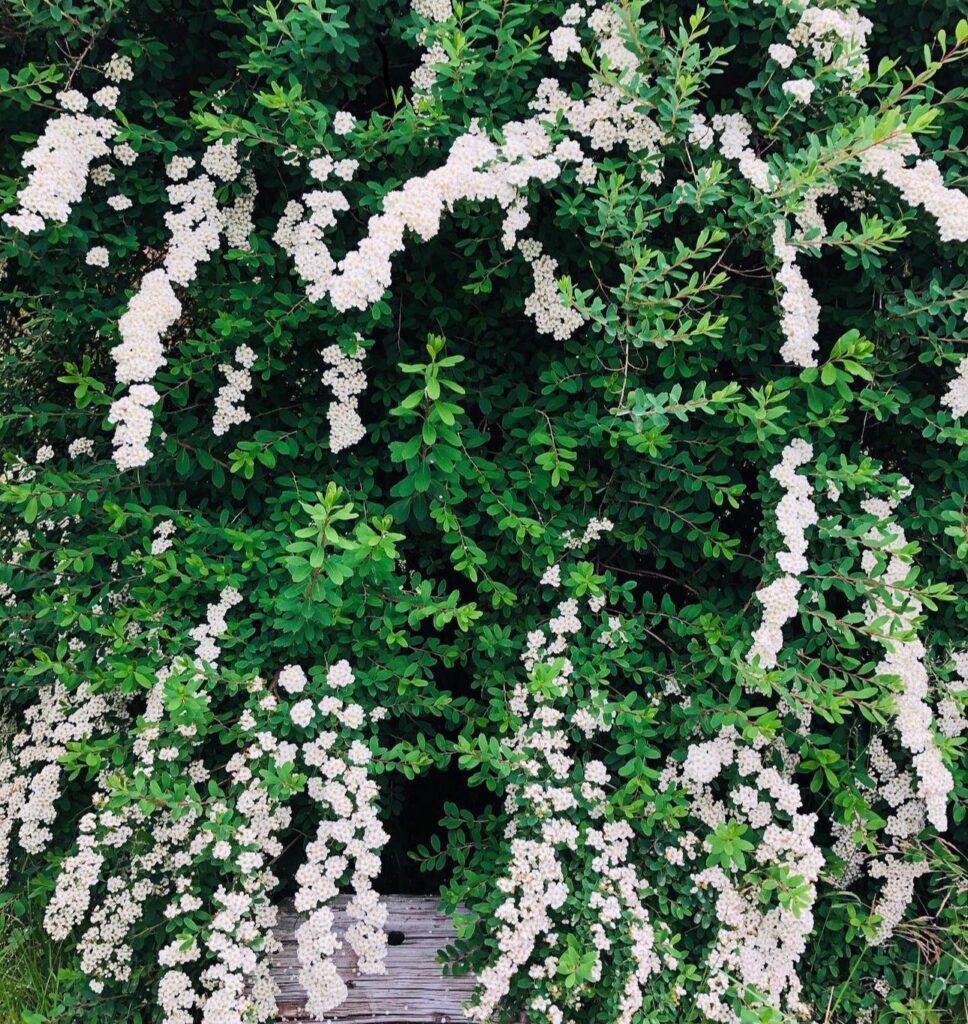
(416, 554)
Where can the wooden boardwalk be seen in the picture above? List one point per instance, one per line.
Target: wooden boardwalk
(413, 991)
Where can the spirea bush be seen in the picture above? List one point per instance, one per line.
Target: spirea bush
(544, 416)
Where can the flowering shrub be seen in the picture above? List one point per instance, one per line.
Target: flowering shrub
(543, 416)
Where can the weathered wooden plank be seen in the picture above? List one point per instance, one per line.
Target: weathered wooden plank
(413, 990)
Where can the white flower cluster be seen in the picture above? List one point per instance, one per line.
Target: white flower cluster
(800, 321)
(237, 223)
(105, 947)
(214, 626)
(544, 304)
(229, 402)
(197, 224)
(339, 675)
(433, 10)
(303, 239)
(610, 116)
(179, 167)
(351, 833)
(562, 42)
(97, 256)
(196, 221)
(302, 713)
(800, 89)
(236, 938)
(220, 160)
(30, 773)
(795, 512)
(292, 679)
(60, 162)
(920, 185)
(238, 943)
(755, 946)
(161, 541)
(119, 69)
(80, 446)
(823, 28)
(956, 397)
(552, 576)
(107, 97)
(476, 168)
(125, 154)
(132, 412)
(784, 55)
(79, 873)
(535, 875)
(152, 310)
(734, 144)
(897, 789)
(896, 894)
(346, 379)
(701, 133)
(619, 893)
(808, 215)
(951, 720)
(906, 818)
(102, 175)
(903, 659)
(73, 101)
(570, 804)
(591, 534)
(424, 76)
(343, 122)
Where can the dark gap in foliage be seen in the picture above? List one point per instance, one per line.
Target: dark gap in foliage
(414, 809)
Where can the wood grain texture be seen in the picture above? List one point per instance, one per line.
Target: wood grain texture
(413, 990)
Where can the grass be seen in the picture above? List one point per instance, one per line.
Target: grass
(30, 965)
